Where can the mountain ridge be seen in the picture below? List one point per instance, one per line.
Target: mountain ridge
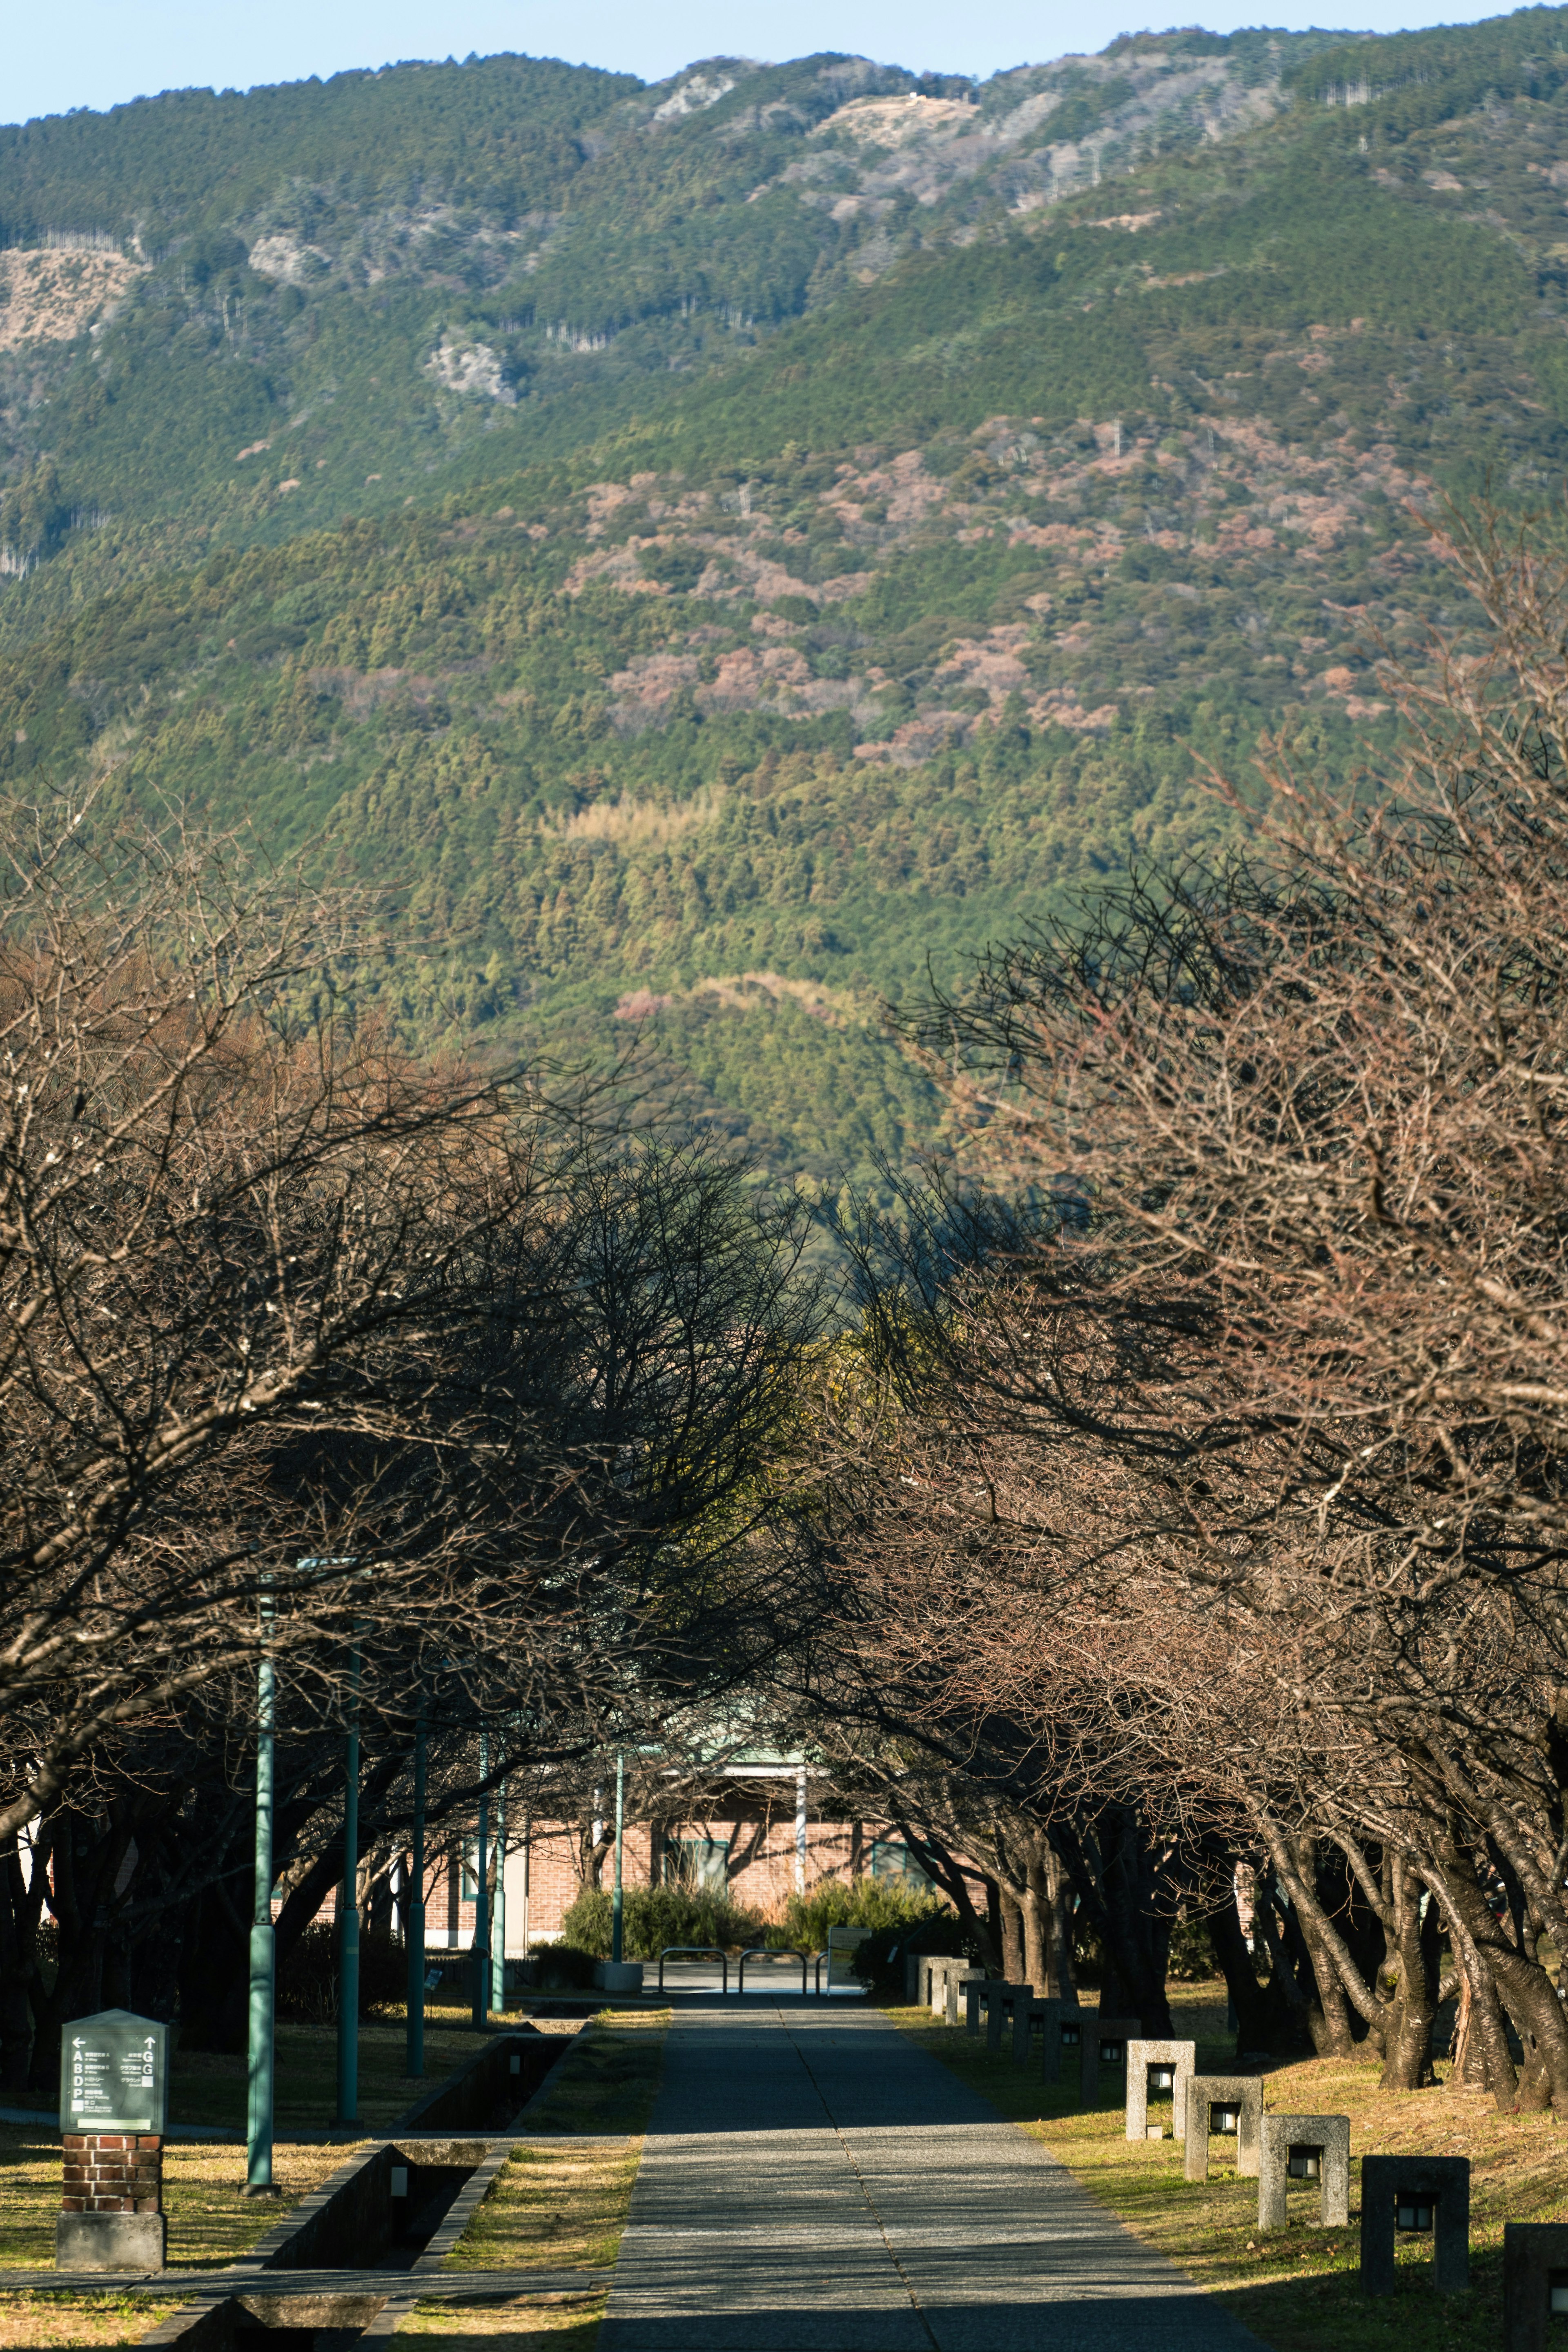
(699, 672)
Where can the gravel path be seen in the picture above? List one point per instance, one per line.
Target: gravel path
(812, 2182)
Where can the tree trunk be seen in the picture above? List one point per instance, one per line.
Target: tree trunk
(940, 1866)
(1335, 1973)
(19, 1907)
(1012, 1940)
(1328, 2017)
(1264, 2016)
(1033, 1905)
(1120, 1879)
(86, 1858)
(1061, 1981)
(1523, 1986)
(1407, 2035)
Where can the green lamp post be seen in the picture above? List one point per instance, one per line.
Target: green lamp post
(481, 1961)
(261, 2037)
(616, 1900)
(498, 1909)
(414, 1919)
(348, 1914)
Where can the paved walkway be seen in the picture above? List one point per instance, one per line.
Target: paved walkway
(813, 2182)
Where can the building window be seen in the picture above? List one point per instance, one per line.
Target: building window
(893, 1860)
(700, 1864)
(471, 1867)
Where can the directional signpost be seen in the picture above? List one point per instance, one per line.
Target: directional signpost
(114, 2074)
(114, 2109)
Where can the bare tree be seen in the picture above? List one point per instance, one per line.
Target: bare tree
(1242, 1383)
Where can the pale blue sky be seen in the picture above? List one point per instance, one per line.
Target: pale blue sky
(98, 52)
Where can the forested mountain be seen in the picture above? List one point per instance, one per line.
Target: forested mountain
(702, 549)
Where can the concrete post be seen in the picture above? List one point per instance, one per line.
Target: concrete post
(1326, 2138)
(997, 1994)
(1181, 2057)
(1534, 2283)
(1053, 2015)
(1414, 2195)
(1205, 2094)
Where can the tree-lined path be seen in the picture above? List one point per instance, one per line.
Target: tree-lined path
(812, 2182)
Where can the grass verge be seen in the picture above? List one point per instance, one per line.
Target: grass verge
(562, 2209)
(112, 2320)
(212, 2221)
(1298, 2289)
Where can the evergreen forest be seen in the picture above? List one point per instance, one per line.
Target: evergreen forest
(710, 558)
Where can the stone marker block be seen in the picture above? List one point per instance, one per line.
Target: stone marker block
(1401, 2195)
(110, 2242)
(958, 1982)
(1323, 2144)
(1054, 2015)
(934, 1997)
(1029, 2011)
(1141, 2057)
(1534, 2283)
(944, 1997)
(1243, 2093)
(1102, 2033)
(998, 1996)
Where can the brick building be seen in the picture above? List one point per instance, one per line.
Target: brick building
(756, 1834)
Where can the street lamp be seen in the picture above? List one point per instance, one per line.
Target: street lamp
(348, 1914)
(616, 1900)
(498, 1913)
(414, 1917)
(261, 2038)
(482, 1896)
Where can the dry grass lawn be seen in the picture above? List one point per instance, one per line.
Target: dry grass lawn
(211, 2220)
(86, 2319)
(560, 2210)
(1298, 2288)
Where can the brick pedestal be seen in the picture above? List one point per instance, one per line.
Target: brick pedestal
(111, 2205)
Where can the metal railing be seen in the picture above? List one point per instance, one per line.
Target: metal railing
(697, 1951)
(773, 1952)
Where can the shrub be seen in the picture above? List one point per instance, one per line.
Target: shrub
(655, 1916)
(879, 1961)
(856, 1902)
(564, 1966)
(308, 1975)
(1192, 1953)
